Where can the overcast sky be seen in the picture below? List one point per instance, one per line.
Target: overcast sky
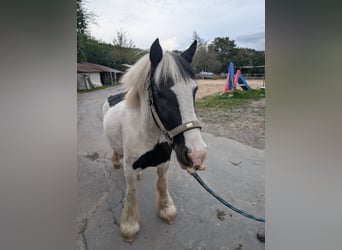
(174, 21)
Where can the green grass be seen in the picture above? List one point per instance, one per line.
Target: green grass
(224, 100)
(91, 90)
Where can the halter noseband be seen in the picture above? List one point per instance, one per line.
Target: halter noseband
(169, 134)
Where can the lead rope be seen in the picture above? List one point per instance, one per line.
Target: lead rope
(192, 172)
(169, 137)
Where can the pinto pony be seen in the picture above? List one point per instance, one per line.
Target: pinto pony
(155, 115)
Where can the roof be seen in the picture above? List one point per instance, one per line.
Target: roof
(92, 67)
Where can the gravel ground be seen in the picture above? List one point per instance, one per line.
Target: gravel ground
(245, 123)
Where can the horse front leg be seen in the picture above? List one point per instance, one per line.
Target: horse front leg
(165, 204)
(130, 216)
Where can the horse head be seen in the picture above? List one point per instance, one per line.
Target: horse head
(172, 95)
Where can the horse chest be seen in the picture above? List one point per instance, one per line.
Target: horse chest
(159, 154)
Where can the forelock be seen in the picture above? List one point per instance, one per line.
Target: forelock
(173, 69)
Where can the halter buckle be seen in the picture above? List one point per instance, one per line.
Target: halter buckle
(168, 138)
(189, 125)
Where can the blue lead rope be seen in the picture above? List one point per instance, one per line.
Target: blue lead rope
(200, 181)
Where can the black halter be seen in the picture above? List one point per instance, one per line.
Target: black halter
(169, 134)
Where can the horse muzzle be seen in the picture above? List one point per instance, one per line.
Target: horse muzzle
(197, 157)
(192, 158)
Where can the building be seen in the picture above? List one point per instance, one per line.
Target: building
(91, 75)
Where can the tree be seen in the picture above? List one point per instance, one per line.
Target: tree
(225, 50)
(259, 58)
(122, 40)
(81, 17)
(200, 41)
(84, 18)
(205, 58)
(110, 55)
(250, 57)
(81, 55)
(89, 49)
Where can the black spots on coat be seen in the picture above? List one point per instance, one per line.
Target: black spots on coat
(181, 150)
(165, 100)
(167, 106)
(184, 67)
(159, 154)
(115, 99)
(193, 96)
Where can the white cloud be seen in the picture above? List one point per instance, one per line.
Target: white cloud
(173, 21)
(169, 44)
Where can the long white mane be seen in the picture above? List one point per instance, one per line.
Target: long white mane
(136, 79)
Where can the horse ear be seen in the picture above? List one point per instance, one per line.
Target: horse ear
(190, 52)
(156, 53)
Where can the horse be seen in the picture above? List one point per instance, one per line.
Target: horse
(153, 116)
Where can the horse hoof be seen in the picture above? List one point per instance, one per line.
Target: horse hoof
(116, 160)
(171, 220)
(117, 166)
(129, 231)
(129, 239)
(168, 214)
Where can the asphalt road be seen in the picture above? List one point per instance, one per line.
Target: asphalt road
(202, 222)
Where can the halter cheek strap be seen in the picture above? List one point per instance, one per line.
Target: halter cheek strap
(170, 134)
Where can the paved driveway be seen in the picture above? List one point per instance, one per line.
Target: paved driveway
(201, 223)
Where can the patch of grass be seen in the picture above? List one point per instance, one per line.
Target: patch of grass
(225, 100)
(97, 88)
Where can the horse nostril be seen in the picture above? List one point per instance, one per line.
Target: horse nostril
(197, 156)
